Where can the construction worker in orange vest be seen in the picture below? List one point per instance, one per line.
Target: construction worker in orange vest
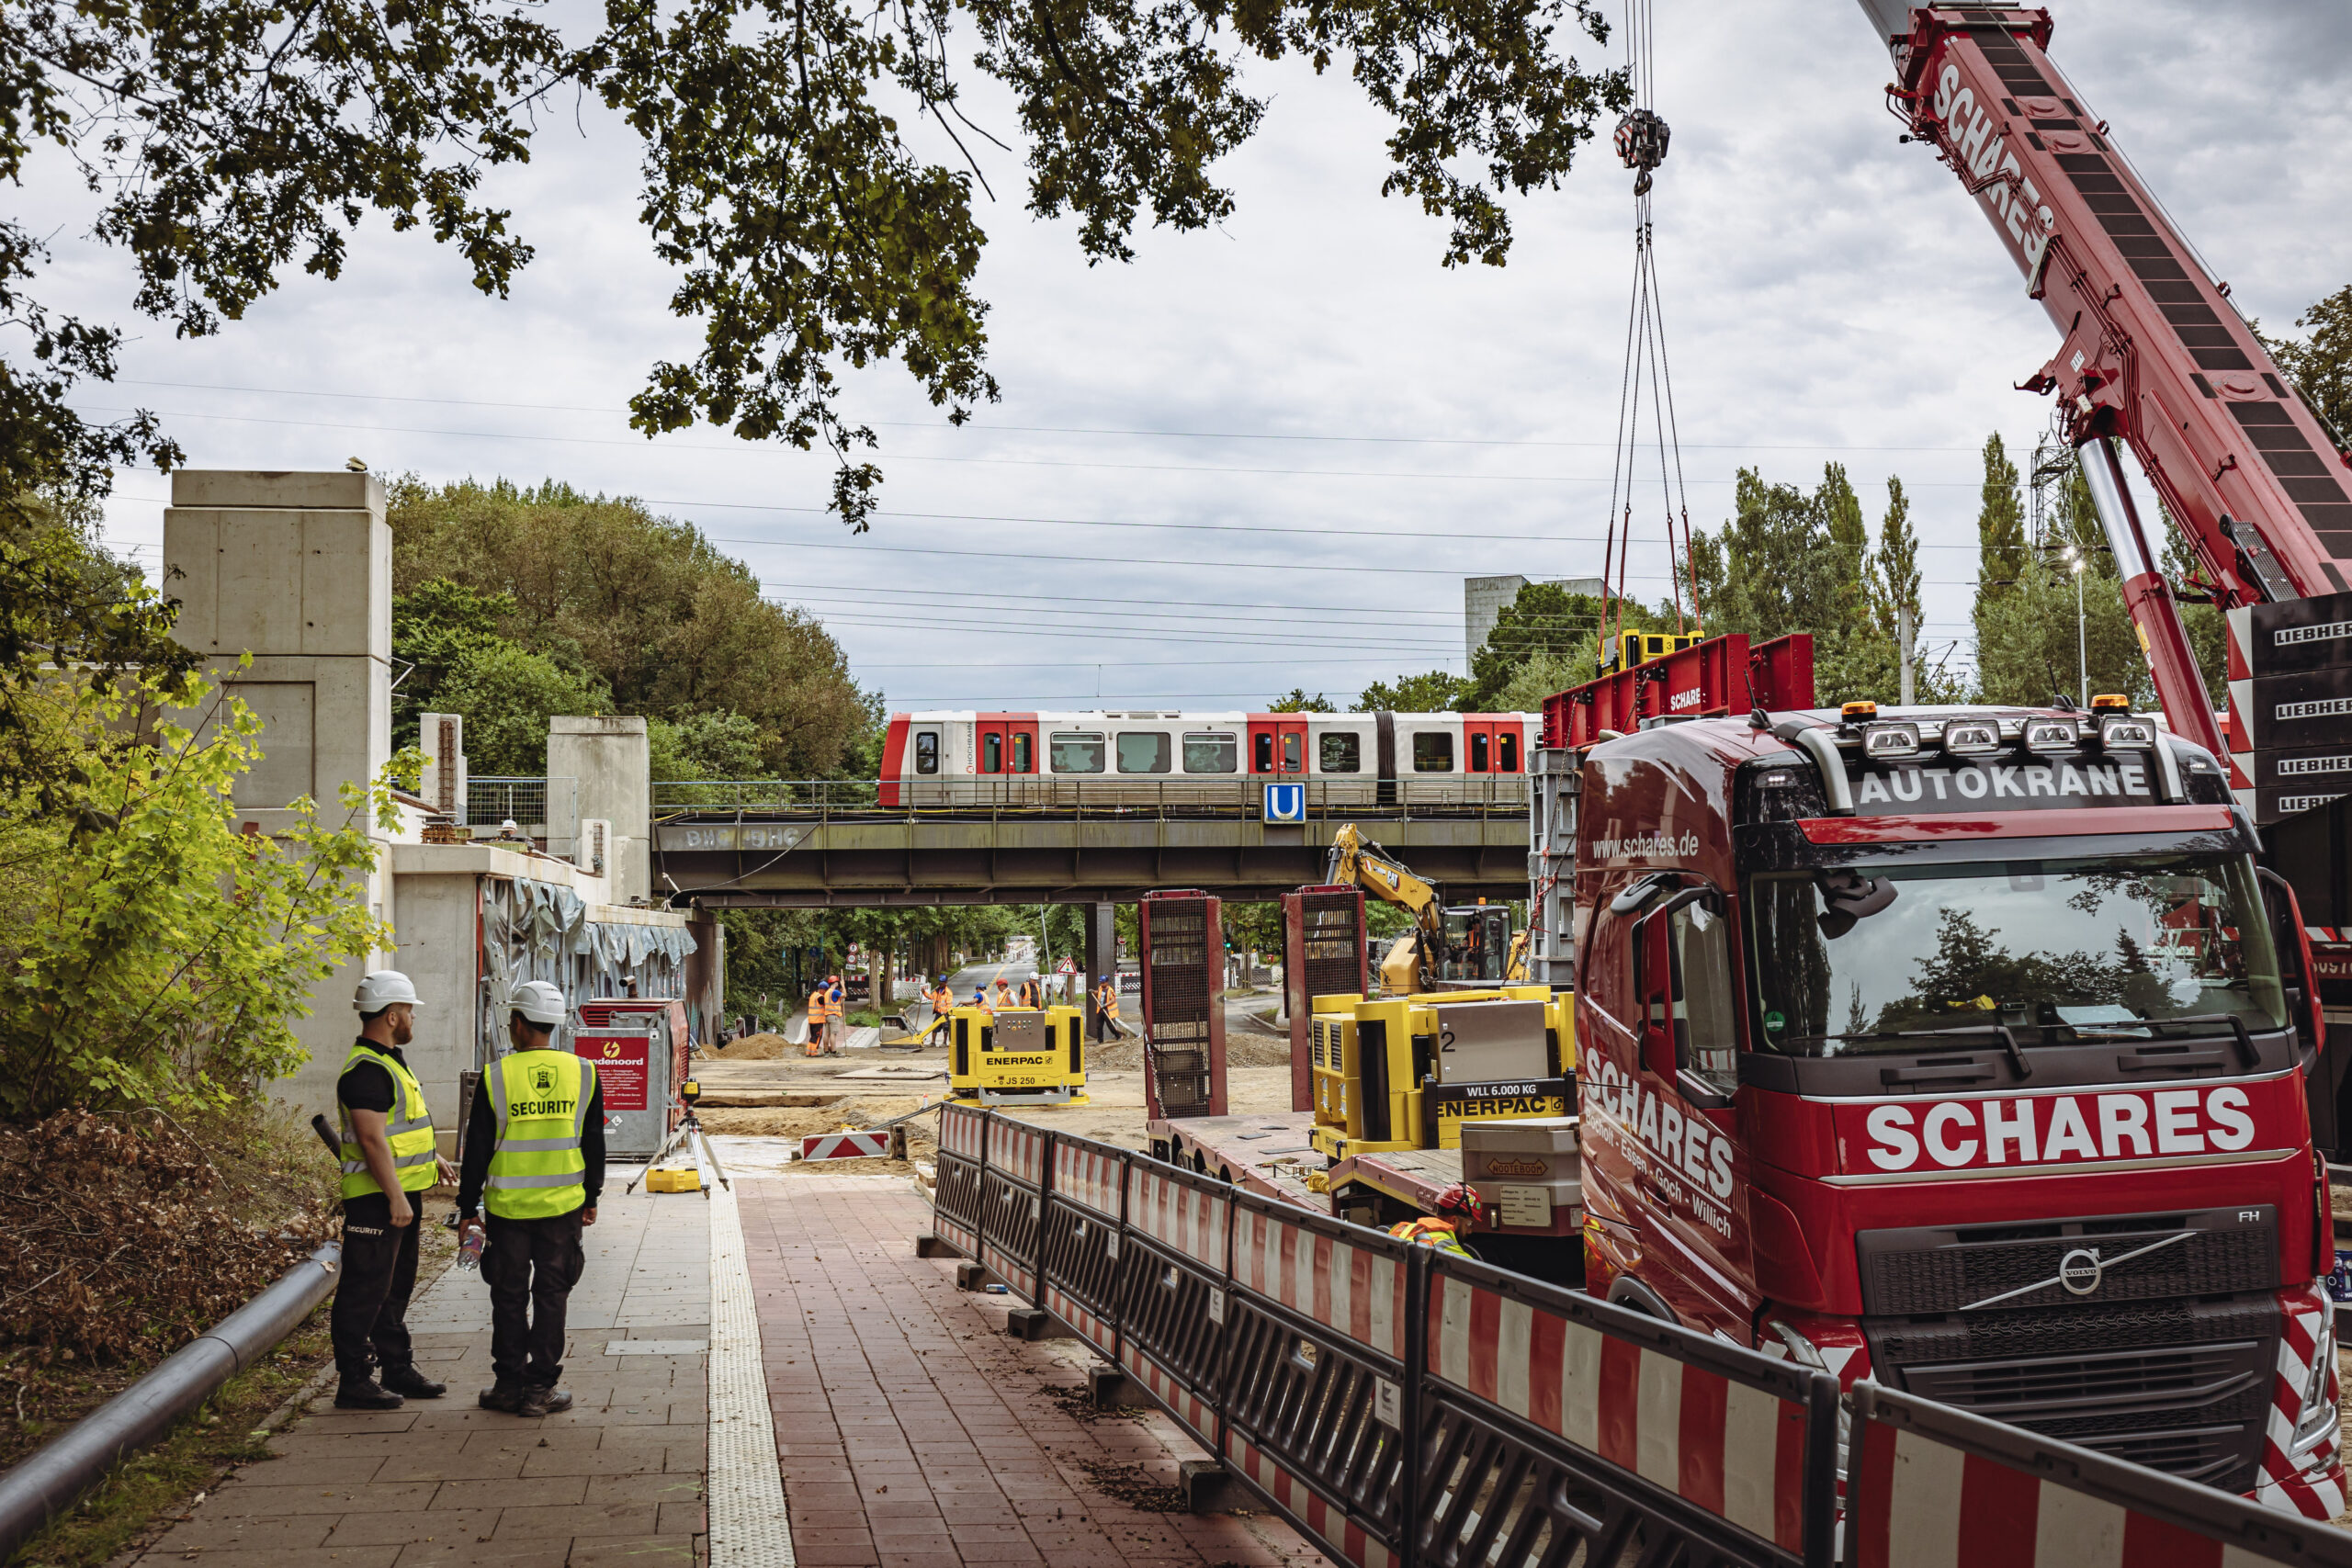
(821, 1007)
(1106, 1011)
(836, 1015)
(943, 1002)
(1030, 994)
(1004, 997)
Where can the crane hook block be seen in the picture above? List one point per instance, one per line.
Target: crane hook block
(1641, 140)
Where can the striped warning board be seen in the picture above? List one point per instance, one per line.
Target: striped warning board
(846, 1145)
(1184, 1218)
(1088, 1173)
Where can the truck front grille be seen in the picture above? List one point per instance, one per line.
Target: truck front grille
(2178, 1379)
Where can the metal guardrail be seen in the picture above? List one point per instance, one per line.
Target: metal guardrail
(1401, 1406)
(1327, 800)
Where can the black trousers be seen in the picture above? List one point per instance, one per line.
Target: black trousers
(530, 1266)
(370, 1324)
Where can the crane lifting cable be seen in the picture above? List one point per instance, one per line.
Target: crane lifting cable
(1641, 140)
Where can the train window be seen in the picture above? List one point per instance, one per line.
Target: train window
(1075, 753)
(1432, 752)
(993, 752)
(1293, 756)
(1144, 751)
(1210, 751)
(1024, 748)
(1506, 753)
(927, 751)
(1339, 753)
(1261, 753)
(1479, 747)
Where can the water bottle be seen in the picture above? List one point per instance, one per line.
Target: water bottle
(469, 1246)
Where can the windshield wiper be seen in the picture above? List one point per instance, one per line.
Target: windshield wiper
(2005, 1032)
(2248, 1054)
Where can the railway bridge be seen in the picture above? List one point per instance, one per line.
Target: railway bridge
(723, 844)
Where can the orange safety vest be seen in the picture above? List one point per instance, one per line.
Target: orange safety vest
(820, 1005)
(1106, 997)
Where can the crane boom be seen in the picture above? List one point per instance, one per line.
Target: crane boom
(2152, 353)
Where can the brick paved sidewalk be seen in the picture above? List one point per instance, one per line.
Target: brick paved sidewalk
(439, 1483)
(912, 1431)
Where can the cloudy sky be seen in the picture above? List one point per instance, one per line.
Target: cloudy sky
(1265, 455)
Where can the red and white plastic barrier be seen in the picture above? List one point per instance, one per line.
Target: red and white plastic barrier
(1019, 1151)
(1357, 1292)
(1732, 1450)
(961, 1130)
(1347, 1540)
(1087, 1176)
(1180, 1218)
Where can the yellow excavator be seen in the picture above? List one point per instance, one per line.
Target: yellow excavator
(1469, 945)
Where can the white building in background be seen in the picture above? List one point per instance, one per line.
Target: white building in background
(1483, 599)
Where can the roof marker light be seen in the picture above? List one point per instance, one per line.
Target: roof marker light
(2110, 702)
(1884, 742)
(1971, 737)
(1853, 711)
(2043, 735)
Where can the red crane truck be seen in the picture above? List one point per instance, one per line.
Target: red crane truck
(1965, 1049)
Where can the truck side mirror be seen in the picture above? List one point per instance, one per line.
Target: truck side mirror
(2296, 970)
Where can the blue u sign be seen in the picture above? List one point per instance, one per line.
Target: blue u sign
(1285, 803)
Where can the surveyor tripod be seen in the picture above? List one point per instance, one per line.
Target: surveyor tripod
(687, 1128)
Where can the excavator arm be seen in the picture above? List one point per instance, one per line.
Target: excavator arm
(1411, 963)
(2151, 355)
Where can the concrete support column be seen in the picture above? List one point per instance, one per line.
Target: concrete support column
(1101, 953)
(296, 569)
(612, 758)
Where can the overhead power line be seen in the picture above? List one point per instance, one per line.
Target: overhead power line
(757, 448)
(984, 428)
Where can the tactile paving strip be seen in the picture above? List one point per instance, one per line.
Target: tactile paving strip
(748, 1526)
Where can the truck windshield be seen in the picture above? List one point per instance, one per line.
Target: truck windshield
(2088, 947)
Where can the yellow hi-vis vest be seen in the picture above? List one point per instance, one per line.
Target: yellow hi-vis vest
(408, 1129)
(540, 1099)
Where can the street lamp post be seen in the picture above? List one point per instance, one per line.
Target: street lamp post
(2081, 634)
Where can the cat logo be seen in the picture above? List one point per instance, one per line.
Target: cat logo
(543, 1078)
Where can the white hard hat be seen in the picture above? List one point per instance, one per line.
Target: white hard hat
(382, 988)
(539, 1002)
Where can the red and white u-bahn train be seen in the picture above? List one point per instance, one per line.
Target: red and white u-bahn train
(1149, 757)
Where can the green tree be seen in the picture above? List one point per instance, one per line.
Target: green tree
(1544, 621)
(2000, 530)
(435, 624)
(641, 605)
(2321, 364)
(807, 234)
(1440, 691)
(1299, 702)
(506, 695)
(1538, 676)
(153, 951)
(2026, 649)
(704, 746)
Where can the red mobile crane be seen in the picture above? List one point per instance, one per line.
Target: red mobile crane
(2153, 356)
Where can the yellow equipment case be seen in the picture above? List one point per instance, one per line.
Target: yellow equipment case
(1017, 1055)
(1405, 1072)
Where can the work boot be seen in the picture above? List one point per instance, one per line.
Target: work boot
(410, 1383)
(364, 1394)
(501, 1396)
(544, 1402)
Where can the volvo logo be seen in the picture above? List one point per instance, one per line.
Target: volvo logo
(2080, 1270)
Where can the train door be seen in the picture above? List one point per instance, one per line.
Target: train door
(1490, 746)
(1277, 744)
(1004, 748)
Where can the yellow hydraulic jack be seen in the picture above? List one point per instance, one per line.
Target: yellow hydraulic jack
(1017, 1055)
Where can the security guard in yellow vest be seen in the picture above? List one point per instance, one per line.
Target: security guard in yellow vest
(387, 1155)
(535, 1157)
